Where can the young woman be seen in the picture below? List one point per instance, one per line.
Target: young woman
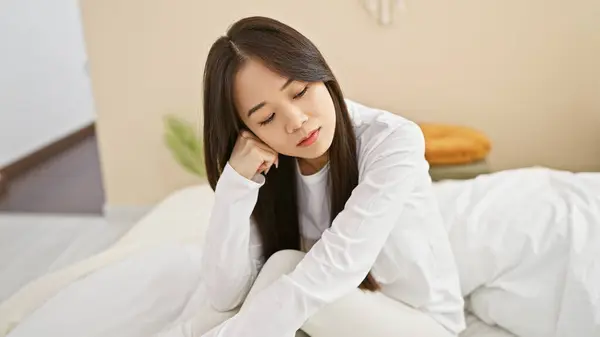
(296, 167)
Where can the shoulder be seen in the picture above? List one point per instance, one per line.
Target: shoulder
(379, 131)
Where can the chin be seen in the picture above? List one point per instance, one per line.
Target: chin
(313, 155)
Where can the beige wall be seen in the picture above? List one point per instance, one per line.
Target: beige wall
(525, 72)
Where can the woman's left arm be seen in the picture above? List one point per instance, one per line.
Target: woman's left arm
(346, 252)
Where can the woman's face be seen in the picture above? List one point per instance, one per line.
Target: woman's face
(294, 118)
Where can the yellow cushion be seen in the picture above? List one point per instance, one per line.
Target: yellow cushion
(454, 144)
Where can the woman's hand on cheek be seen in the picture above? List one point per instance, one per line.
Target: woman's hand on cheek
(251, 156)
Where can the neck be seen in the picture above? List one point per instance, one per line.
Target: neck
(312, 166)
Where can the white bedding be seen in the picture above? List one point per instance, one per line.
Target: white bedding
(177, 219)
(527, 244)
(34, 245)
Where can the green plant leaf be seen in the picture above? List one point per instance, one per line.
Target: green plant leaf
(185, 145)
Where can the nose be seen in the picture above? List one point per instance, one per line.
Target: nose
(296, 118)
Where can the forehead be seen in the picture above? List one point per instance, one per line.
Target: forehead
(255, 83)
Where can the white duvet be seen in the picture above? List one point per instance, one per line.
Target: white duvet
(527, 243)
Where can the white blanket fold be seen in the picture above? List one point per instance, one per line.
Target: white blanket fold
(527, 243)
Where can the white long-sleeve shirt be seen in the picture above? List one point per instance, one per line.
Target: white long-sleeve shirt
(390, 225)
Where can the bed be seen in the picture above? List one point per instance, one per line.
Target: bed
(32, 245)
(478, 213)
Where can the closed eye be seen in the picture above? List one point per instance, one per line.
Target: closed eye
(301, 93)
(268, 120)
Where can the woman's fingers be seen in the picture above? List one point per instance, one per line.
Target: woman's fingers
(269, 158)
(251, 156)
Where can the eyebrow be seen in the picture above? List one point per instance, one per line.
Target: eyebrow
(289, 81)
(256, 107)
(261, 104)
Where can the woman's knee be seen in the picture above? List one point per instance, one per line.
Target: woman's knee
(284, 260)
(280, 263)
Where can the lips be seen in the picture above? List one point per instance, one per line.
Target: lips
(310, 139)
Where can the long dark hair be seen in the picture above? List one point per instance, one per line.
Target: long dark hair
(286, 52)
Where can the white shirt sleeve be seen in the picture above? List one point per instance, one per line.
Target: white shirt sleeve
(343, 256)
(232, 253)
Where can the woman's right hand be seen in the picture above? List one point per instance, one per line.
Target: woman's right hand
(251, 156)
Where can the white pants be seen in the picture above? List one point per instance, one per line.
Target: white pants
(356, 315)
